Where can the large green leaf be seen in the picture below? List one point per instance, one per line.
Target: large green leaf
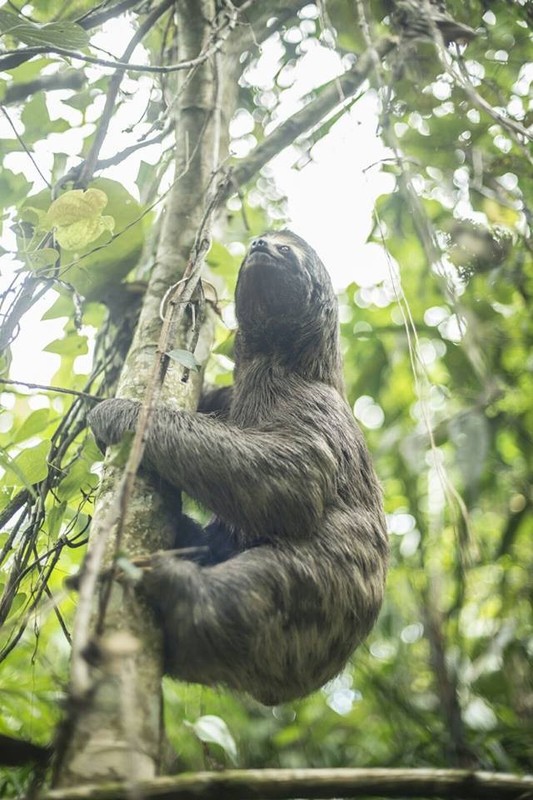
(29, 467)
(58, 34)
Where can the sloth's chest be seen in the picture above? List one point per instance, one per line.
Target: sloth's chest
(261, 398)
(255, 410)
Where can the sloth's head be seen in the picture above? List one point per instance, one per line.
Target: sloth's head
(287, 309)
(282, 283)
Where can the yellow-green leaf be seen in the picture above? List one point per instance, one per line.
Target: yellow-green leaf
(72, 345)
(77, 218)
(41, 259)
(91, 269)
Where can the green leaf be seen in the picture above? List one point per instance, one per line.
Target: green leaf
(18, 602)
(62, 307)
(77, 218)
(78, 479)
(58, 34)
(76, 206)
(13, 187)
(11, 469)
(35, 117)
(72, 345)
(32, 425)
(29, 467)
(34, 216)
(54, 517)
(41, 259)
(9, 146)
(227, 346)
(185, 358)
(210, 728)
(8, 21)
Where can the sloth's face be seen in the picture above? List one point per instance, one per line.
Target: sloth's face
(275, 280)
(279, 247)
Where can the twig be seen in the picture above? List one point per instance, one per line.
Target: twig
(16, 92)
(57, 389)
(30, 293)
(94, 17)
(459, 74)
(73, 175)
(104, 163)
(10, 510)
(23, 145)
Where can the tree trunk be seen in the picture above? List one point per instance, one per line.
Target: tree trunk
(113, 728)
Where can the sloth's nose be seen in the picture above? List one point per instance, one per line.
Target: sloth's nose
(262, 247)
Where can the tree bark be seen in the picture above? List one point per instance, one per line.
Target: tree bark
(114, 728)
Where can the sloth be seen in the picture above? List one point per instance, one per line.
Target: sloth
(288, 577)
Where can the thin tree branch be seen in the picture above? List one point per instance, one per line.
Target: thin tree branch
(45, 388)
(17, 92)
(96, 17)
(254, 22)
(104, 163)
(459, 74)
(330, 96)
(511, 528)
(89, 164)
(315, 783)
(22, 144)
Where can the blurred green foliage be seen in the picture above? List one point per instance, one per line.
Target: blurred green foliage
(438, 366)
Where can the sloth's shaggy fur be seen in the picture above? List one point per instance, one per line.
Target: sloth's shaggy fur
(293, 575)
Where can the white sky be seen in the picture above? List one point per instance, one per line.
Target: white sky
(331, 199)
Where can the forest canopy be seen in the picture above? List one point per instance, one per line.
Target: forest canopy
(436, 343)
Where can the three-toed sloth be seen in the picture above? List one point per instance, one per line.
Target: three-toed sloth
(293, 565)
